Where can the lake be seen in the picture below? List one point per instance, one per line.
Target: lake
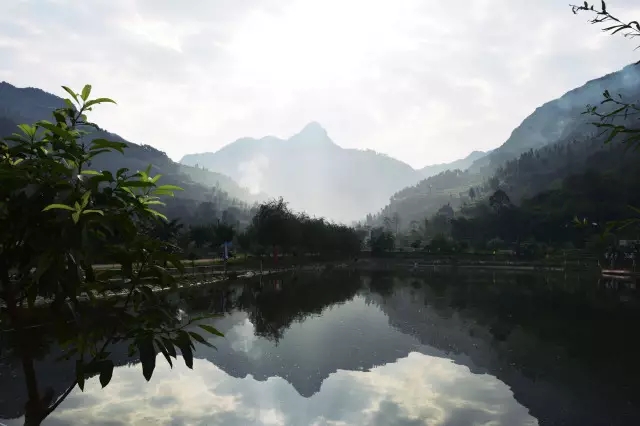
(343, 347)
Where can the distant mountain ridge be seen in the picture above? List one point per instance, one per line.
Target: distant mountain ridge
(557, 122)
(28, 105)
(461, 164)
(562, 118)
(311, 172)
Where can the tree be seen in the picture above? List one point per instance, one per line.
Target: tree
(472, 193)
(272, 224)
(499, 200)
(245, 240)
(614, 120)
(387, 222)
(440, 244)
(381, 240)
(614, 114)
(167, 231)
(201, 235)
(494, 183)
(396, 222)
(222, 233)
(64, 219)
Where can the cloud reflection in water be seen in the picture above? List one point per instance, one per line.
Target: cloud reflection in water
(416, 389)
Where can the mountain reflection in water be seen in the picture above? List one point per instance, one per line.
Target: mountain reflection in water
(344, 348)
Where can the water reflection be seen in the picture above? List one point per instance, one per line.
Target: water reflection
(256, 381)
(341, 348)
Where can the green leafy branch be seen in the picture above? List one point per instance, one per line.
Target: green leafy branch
(602, 15)
(614, 121)
(65, 218)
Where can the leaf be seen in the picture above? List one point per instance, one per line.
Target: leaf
(147, 357)
(156, 192)
(58, 131)
(44, 263)
(168, 344)
(157, 214)
(185, 348)
(169, 188)
(71, 93)
(99, 101)
(176, 263)
(105, 176)
(75, 216)
(80, 374)
(91, 173)
(106, 372)
(85, 199)
(148, 293)
(199, 339)
(93, 211)
(136, 184)
(86, 91)
(210, 329)
(104, 143)
(27, 129)
(58, 206)
(164, 351)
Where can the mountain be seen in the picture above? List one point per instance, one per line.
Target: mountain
(462, 164)
(527, 162)
(562, 119)
(311, 172)
(28, 105)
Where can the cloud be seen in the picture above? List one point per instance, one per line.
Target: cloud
(424, 81)
(415, 390)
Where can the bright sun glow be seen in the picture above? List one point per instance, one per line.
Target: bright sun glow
(316, 44)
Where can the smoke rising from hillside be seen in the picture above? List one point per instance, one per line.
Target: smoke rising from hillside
(252, 173)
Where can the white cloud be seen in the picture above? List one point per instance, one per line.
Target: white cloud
(403, 388)
(418, 389)
(424, 81)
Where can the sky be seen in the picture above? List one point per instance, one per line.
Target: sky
(423, 81)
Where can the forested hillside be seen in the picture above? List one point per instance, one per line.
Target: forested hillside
(461, 164)
(205, 194)
(565, 195)
(553, 143)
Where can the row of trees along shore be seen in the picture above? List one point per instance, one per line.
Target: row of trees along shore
(273, 229)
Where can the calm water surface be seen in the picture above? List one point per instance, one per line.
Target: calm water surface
(349, 348)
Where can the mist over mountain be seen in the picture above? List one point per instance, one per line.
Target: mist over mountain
(28, 105)
(311, 172)
(461, 164)
(556, 140)
(562, 119)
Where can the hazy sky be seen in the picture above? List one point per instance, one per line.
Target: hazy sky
(424, 81)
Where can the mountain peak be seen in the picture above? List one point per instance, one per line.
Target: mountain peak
(312, 133)
(313, 126)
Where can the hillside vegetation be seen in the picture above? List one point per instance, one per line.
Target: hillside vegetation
(205, 193)
(554, 142)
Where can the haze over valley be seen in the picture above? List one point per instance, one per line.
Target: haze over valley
(313, 212)
(316, 175)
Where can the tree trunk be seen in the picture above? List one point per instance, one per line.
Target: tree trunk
(34, 409)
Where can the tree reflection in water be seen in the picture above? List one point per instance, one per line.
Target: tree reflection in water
(564, 345)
